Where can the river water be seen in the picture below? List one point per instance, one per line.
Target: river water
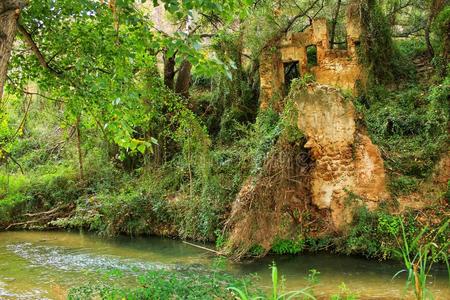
(44, 265)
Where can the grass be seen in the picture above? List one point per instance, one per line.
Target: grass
(276, 293)
(12, 184)
(419, 257)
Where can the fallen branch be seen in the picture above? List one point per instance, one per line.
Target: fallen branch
(25, 223)
(45, 216)
(46, 212)
(203, 248)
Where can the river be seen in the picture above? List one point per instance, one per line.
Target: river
(44, 265)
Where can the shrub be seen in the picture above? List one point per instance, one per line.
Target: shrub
(162, 284)
(282, 246)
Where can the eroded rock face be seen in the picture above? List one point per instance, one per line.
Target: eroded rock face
(346, 161)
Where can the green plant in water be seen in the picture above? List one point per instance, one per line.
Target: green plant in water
(344, 293)
(276, 293)
(419, 258)
(313, 277)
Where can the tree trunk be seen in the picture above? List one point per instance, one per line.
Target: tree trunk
(169, 70)
(9, 13)
(427, 37)
(435, 9)
(334, 23)
(184, 79)
(446, 53)
(80, 153)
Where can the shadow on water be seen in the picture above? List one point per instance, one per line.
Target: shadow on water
(43, 265)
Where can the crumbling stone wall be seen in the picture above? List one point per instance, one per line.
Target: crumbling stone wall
(345, 159)
(334, 67)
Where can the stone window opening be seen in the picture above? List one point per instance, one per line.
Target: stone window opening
(311, 56)
(291, 71)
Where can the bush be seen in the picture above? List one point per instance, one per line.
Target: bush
(403, 185)
(410, 127)
(281, 246)
(162, 284)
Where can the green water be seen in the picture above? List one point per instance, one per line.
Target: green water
(44, 265)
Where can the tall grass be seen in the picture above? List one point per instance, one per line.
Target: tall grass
(277, 291)
(419, 257)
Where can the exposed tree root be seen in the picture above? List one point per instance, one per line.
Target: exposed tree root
(45, 217)
(276, 203)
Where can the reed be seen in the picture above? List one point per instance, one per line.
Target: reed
(419, 257)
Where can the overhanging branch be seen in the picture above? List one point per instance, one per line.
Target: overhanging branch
(29, 40)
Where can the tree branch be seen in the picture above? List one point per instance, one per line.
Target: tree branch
(29, 40)
(301, 14)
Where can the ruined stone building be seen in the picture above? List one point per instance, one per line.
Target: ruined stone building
(345, 159)
(287, 57)
(345, 163)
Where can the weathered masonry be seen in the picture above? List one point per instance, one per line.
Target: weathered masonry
(287, 57)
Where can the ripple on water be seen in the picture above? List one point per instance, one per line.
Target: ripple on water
(71, 260)
(35, 294)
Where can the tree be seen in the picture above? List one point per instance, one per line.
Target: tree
(99, 59)
(334, 23)
(9, 13)
(435, 8)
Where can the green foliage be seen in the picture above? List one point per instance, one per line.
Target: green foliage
(383, 61)
(262, 137)
(282, 246)
(377, 50)
(410, 128)
(160, 284)
(316, 244)
(220, 239)
(376, 234)
(104, 70)
(344, 293)
(42, 193)
(440, 27)
(411, 48)
(419, 256)
(402, 185)
(363, 237)
(311, 53)
(231, 100)
(277, 292)
(256, 250)
(313, 277)
(389, 224)
(156, 163)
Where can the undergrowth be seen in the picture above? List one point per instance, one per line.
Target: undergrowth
(410, 128)
(162, 284)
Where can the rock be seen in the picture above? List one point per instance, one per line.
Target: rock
(328, 121)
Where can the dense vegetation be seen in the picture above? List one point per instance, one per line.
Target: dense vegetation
(116, 124)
